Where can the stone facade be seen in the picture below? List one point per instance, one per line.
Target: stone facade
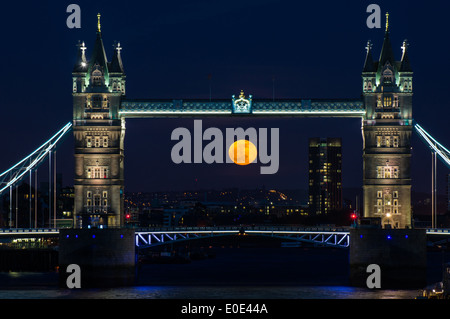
(387, 128)
(98, 87)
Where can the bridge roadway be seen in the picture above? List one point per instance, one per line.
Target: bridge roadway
(155, 236)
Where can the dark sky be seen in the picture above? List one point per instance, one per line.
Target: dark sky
(312, 49)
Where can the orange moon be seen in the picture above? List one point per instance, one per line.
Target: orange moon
(242, 152)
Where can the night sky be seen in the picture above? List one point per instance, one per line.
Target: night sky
(304, 50)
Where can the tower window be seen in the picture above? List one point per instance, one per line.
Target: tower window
(97, 78)
(388, 76)
(97, 172)
(395, 141)
(387, 101)
(387, 172)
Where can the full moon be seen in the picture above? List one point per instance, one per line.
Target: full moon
(242, 152)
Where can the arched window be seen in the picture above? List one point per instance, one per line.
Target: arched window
(388, 74)
(97, 77)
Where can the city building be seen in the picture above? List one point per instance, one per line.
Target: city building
(325, 175)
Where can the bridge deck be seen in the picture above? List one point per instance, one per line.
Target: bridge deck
(292, 108)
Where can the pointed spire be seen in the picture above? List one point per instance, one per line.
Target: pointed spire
(368, 64)
(116, 65)
(387, 55)
(99, 54)
(387, 22)
(405, 66)
(99, 27)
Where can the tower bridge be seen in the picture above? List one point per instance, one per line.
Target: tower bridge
(100, 111)
(101, 107)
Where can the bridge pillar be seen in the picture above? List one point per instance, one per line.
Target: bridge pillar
(106, 257)
(99, 132)
(400, 254)
(387, 128)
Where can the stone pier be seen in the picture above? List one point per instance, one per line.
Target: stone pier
(400, 253)
(106, 256)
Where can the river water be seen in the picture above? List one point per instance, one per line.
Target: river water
(234, 273)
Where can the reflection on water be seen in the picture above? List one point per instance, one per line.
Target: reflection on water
(233, 274)
(206, 292)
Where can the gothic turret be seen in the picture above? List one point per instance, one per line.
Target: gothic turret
(98, 135)
(387, 128)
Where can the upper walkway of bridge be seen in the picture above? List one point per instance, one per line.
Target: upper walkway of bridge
(242, 106)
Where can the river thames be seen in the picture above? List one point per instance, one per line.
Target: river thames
(233, 273)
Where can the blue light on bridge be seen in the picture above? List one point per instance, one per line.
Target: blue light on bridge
(389, 237)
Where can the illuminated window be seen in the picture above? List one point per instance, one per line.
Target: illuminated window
(387, 200)
(395, 141)
(96, 78)
(97, 172)
(379, 139)
(387, 172)
(388, 76)
(395, 194)
(387, 102)
(88, 141)
(379, 194)
(395, 101)
(105, 141)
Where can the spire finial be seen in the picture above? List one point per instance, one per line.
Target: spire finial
(387, 21)
(98, 23)
(242, 94)
(368, 46)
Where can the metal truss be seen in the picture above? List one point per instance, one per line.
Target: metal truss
(435, 146)
(332, 238)
(17, 172)
(146, 239)
(340, 239)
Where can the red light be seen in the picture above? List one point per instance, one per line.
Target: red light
(353, 216)
(128, 216)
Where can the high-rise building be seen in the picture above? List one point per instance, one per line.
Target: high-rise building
(325, 175)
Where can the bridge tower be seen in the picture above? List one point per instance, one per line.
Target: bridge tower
(387, 128)
(98, 87)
